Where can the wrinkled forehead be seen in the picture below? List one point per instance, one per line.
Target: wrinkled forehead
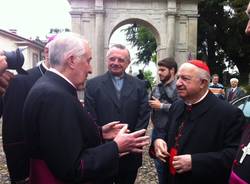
(116, 50)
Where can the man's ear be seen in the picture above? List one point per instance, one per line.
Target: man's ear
(172, 71)
(204, 83)
(71, 61)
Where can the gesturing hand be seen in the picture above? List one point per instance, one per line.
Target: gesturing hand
(131, 142)
(110, 130)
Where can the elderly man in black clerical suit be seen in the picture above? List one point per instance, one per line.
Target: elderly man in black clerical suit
(13, 138)
(117, 96)
(64, 143)
(202, 134)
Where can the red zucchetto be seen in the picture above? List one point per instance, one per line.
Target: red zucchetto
(200, 64)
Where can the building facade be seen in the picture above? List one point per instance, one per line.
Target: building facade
(32, 50)
(173, 23)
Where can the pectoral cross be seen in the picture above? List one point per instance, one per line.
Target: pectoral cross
(246, 151)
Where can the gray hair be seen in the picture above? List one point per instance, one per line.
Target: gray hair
(65, 45)
(204, 75)
(118, 46)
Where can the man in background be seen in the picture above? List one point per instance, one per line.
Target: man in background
(234, 92)
(117, 96)
(216, 87)
(142, 77)
(203, 132)
(14, 145)
(162, 97)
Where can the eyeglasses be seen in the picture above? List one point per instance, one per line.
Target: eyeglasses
(120, 60)
(248, 14)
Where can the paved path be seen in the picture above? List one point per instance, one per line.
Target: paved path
(147, 173)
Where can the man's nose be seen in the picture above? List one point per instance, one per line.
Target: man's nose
(178, 82)
(116, 61)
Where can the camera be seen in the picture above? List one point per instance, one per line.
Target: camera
(14, 59)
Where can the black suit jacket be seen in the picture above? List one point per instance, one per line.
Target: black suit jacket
(211, 135)
(132, 108)
(60, 132)
(12, 132)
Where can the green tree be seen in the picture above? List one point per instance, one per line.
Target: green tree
(145, 42)
(240, 54)
(211, 24)
(221, 35)
(148, 75)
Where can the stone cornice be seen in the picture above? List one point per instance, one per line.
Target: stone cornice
(99, 11)
(173, 13)
(75, 12)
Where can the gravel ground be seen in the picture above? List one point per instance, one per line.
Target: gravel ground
(4, 175)
(146, 174)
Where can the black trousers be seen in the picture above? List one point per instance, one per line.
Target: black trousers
(126, 177)
(123, 177)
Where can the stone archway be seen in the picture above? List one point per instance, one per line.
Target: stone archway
(173, 22)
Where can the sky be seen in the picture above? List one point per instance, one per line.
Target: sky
(32, 18)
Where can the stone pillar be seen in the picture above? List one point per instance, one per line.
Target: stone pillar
(76, 21)
(99, 36)
(171, 13)
(192, 34)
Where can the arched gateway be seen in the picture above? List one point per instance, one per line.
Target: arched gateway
(173, 23)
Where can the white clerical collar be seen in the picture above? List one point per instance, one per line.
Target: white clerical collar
(61, 75)
(199, 99)
(44, 65)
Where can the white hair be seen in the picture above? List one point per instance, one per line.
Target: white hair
(234, 80)
(65, 45)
